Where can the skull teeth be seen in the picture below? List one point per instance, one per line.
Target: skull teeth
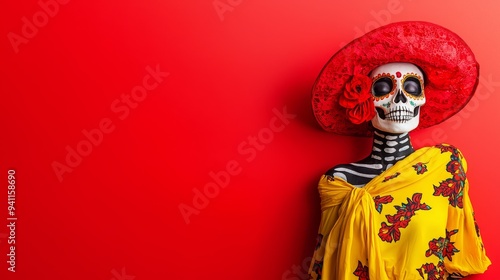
(399, 115)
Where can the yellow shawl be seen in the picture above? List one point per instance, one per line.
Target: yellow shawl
(413, 221)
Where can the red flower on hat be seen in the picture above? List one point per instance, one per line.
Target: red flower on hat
(357, 99)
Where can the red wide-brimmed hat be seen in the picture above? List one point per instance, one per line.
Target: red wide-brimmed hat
(450, 69)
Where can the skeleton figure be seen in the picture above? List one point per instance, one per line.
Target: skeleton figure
(399, 212)
(398, 93)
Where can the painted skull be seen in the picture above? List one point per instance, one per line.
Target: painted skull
(398, 93)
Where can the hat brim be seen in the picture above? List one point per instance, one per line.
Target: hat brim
(450, 69)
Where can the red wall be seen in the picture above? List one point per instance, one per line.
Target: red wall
(116, 114)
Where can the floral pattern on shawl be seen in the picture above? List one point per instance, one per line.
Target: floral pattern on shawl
(391, 231)
(453, 187)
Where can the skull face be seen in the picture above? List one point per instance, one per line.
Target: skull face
(398, 93)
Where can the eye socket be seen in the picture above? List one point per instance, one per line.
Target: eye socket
(382, 87)
(412, 86)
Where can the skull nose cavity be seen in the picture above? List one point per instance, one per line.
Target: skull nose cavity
(400, 97)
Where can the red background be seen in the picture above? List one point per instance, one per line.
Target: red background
(116, 214)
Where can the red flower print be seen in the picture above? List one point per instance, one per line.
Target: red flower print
(387, 178)
(456, 169)
(433, 247)
(451, 189)
(401, 219)
(445, 148)
(459, 176)
(381, 200)
(445, 188)
(441, 269)
(449, 250)
(442, 247)
(429, 269)
(449, 148)
(453, 166)
(433, 272)
(450, 233)
(475, 224)
(358, 100)
(412, 205)
(459, 202)
(362, 272)
(391, 231)
(420, 167)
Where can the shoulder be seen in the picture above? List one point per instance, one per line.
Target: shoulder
(337, 168)
(338, 171)
(448, 148)
(453, 153)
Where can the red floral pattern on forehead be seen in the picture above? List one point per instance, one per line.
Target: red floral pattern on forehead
(449, 66)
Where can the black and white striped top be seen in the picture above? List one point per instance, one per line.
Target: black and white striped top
(387, 149)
